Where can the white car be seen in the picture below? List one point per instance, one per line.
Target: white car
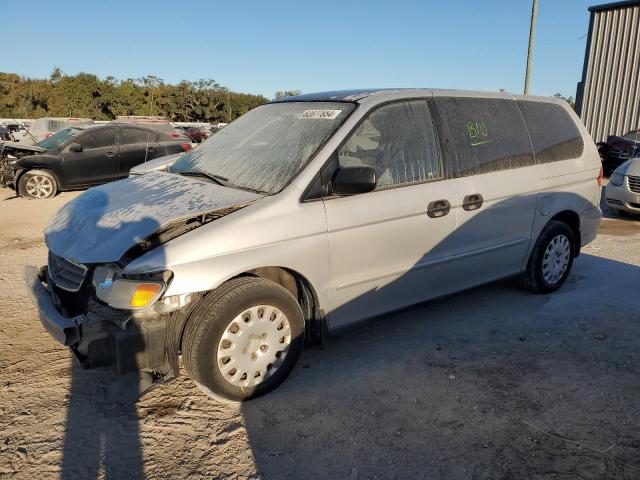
(311, 213)
(623, 191)
(45, 127)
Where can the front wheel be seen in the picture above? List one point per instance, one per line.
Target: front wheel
(37, 184)
(243, 339)
(551, 258)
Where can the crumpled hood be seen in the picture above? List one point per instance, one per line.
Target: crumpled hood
(103, 223)
(22, 146)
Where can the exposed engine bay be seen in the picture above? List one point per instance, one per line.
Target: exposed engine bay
(9, 153)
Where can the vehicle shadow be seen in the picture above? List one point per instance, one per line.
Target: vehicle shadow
(441, 390)
(101, 437)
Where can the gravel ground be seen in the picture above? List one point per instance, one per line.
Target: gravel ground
(491, 383)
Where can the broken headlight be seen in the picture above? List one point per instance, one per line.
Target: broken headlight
(128, 293)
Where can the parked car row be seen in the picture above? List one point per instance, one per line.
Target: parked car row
(82, 156)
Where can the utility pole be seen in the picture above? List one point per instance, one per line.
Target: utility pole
(532, 31)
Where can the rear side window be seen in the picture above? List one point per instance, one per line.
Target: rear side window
(554, 134)
(132, 136)
(399, 141)
(105, 137)
(482, 135)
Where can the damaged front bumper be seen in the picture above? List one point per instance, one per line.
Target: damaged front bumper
(103, 336)
(64, 330)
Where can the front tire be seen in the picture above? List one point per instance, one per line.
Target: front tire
(243, 339)
(37, 184)
(551, 258)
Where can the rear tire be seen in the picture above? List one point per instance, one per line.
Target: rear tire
(243, 339)
(37, 184)
(551, 258)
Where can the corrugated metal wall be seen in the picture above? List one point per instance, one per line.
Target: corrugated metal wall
(609, 94)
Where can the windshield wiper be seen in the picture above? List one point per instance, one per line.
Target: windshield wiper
(219, 179)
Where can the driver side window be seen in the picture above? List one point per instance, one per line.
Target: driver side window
(105, 137)
(398, 140)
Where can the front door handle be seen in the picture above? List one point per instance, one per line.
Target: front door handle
(472, 202)
(438, 208)
(109, 154)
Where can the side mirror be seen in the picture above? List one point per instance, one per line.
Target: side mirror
(75, 147)
(353, 180)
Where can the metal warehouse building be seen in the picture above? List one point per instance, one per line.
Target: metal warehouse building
(608, 97)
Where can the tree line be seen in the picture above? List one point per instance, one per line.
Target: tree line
(86, 95)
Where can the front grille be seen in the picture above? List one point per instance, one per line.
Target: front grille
(634, 184)
(66, 274)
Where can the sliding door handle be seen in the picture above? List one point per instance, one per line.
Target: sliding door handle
(438, 208)
(472, 202)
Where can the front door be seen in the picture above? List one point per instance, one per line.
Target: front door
(97, 162)
(391, 247)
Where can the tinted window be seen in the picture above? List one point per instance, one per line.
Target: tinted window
(132, 136)
(482, 135)
(398, 140)
(104, 137)
(553, 132)
(633, 135)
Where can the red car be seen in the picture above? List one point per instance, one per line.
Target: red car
(196, 134)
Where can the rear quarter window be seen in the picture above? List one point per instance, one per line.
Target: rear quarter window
(554, 134)
(482, 135)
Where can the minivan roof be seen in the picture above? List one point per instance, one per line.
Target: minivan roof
(381, 94)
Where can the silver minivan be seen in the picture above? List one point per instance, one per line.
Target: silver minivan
(309, 214)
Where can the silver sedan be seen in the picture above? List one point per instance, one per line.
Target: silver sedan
(623, 191)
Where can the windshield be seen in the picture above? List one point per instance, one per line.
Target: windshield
(55, 140)
(265, 148)
(633, 135)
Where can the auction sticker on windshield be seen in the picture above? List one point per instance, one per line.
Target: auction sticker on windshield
(322, 114)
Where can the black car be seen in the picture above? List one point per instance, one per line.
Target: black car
(81, 157)
(617, 150)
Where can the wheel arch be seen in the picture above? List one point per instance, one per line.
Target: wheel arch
(301, 289)
(572, 219)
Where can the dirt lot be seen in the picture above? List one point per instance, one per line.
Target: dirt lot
(492, 383)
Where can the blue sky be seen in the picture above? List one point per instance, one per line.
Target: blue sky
(262, 47)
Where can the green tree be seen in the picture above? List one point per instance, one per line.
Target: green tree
(86, 95)
(570, 100)
(286, 93)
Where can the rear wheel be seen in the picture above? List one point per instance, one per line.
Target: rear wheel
(37, 184)
(243, 339)
(551, 258)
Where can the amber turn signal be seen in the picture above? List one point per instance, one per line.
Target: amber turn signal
(144, 293)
